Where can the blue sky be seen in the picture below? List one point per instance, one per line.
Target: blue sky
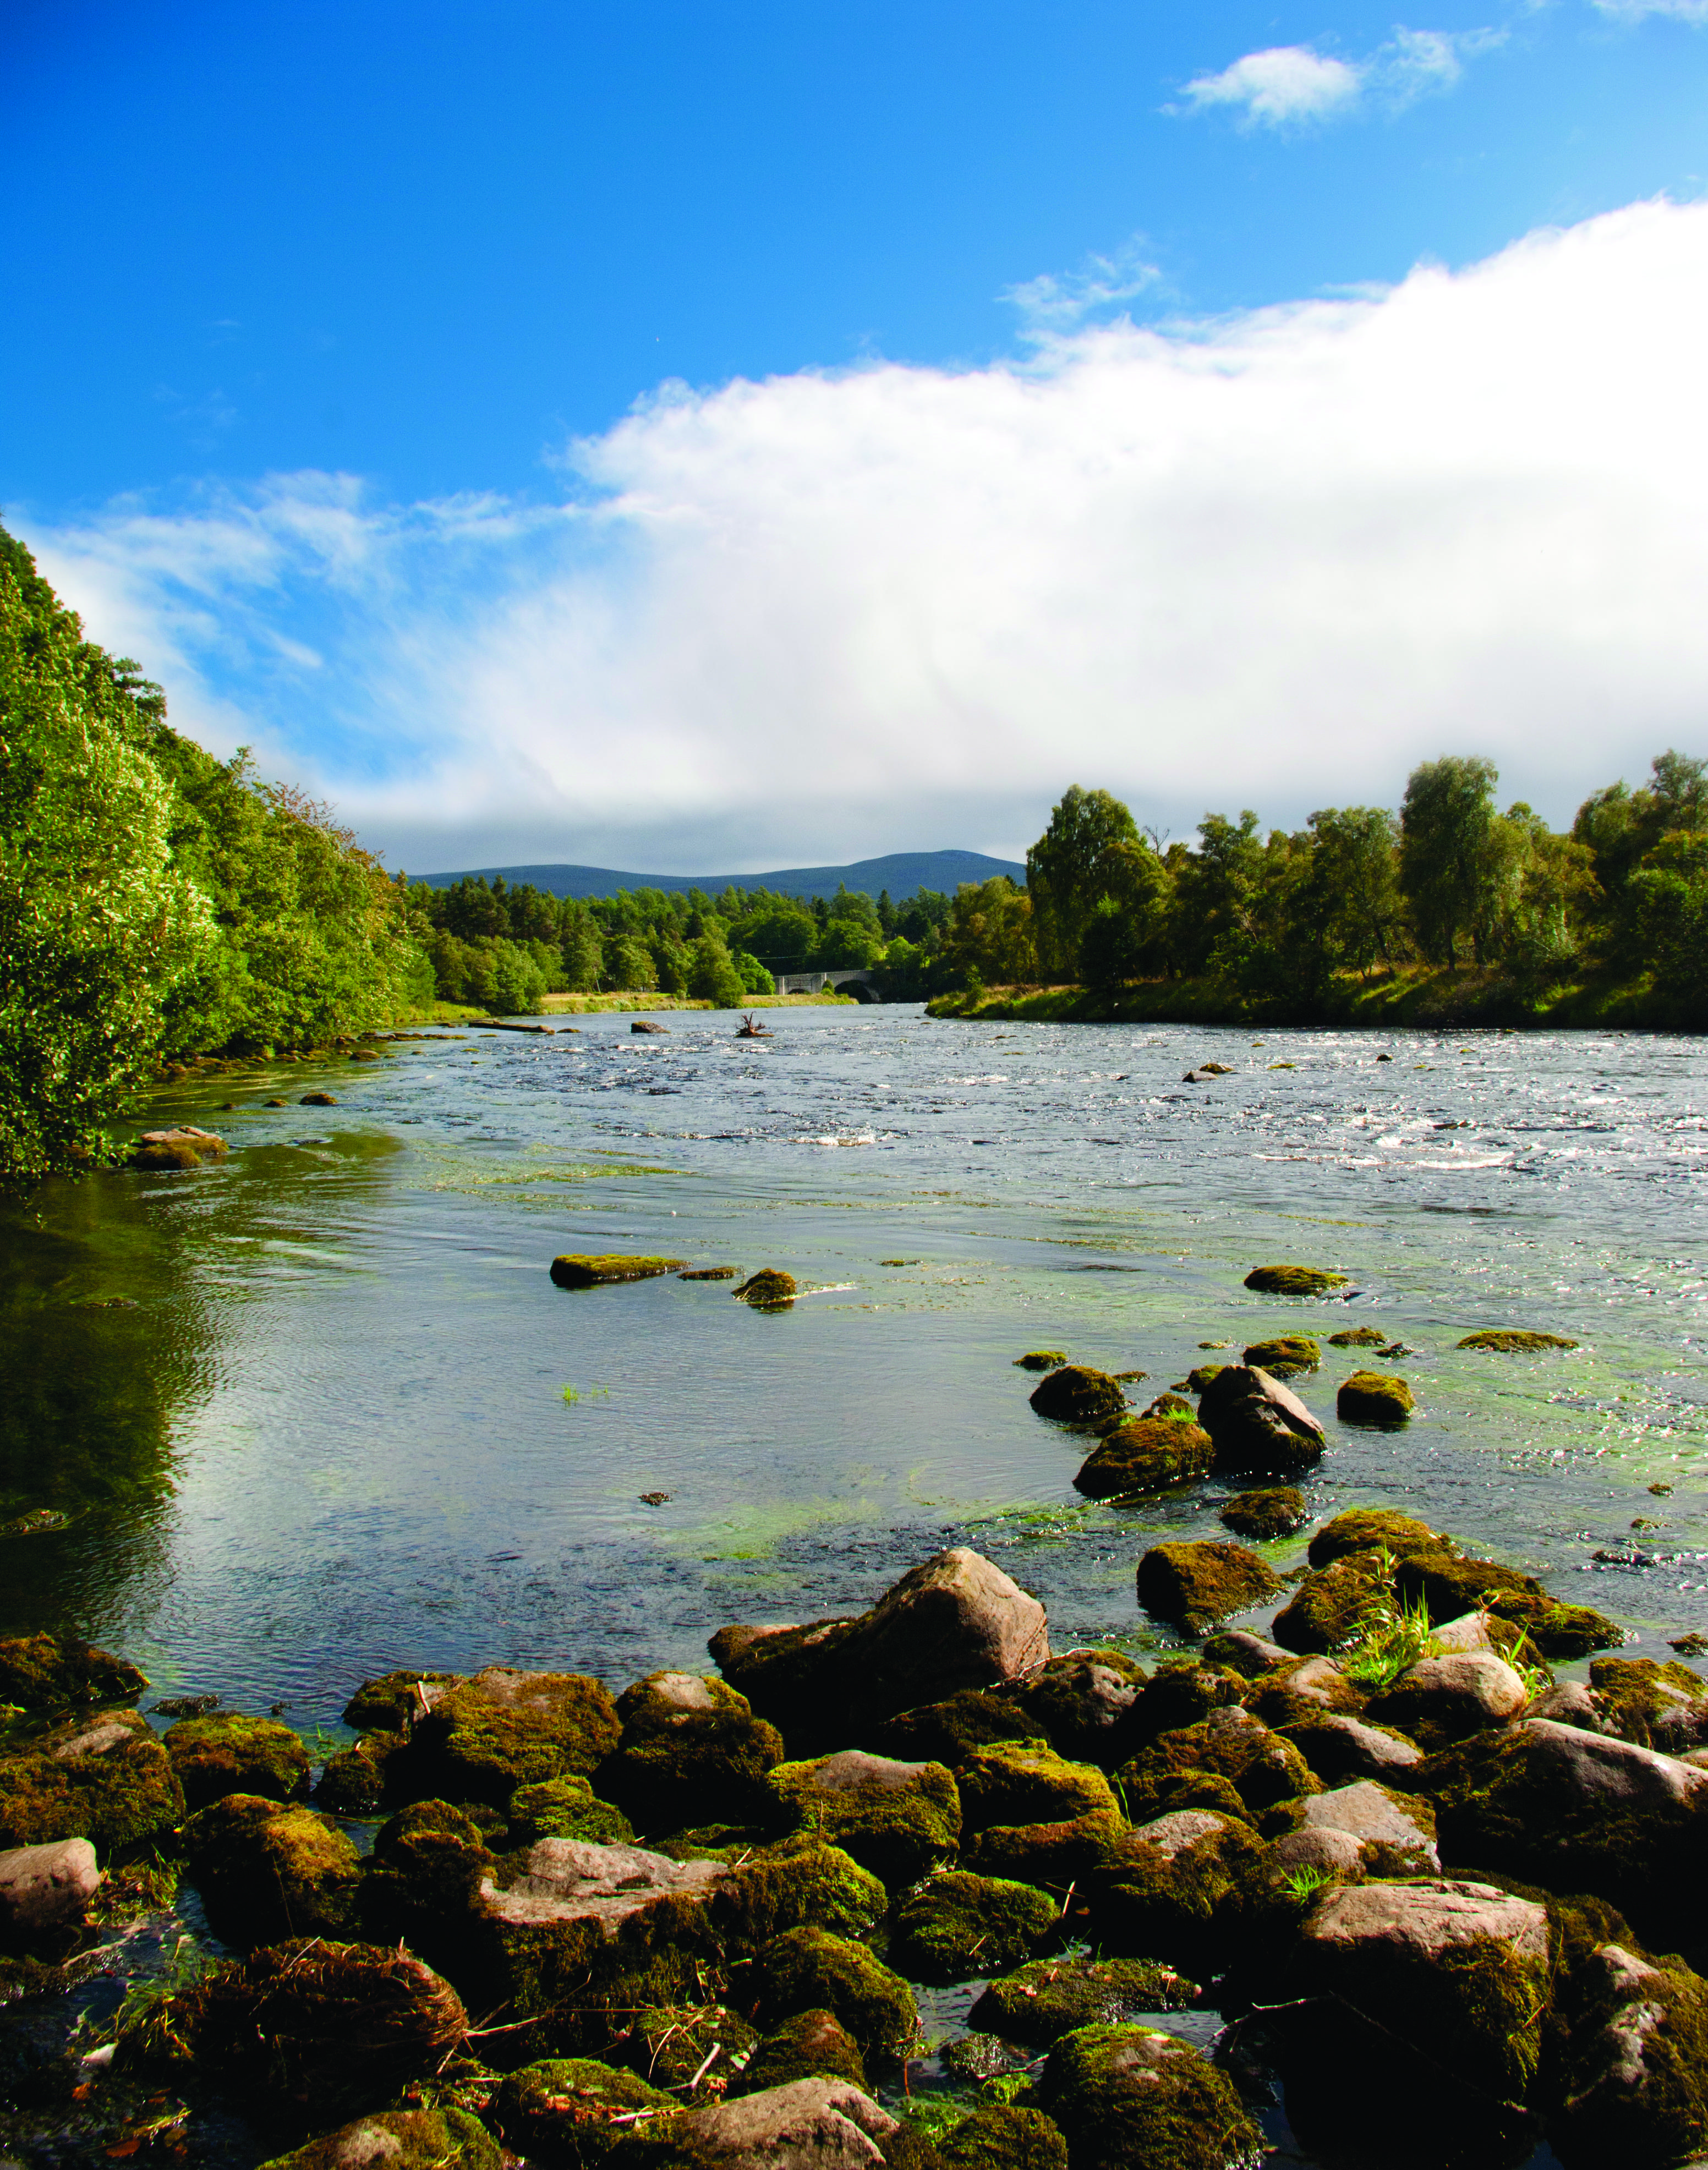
(671, 434)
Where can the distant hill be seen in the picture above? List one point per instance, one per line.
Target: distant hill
(901, 872)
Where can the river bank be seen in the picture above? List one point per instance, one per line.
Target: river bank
(1413, 997)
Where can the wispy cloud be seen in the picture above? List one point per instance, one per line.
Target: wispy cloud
(1056, 302)
(1294, 86)
(1268, 562)
(1633, 11)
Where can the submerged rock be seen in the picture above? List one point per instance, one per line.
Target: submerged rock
(1257, 1423)
(1374, 1399)
(399, 2140)
(1275, 1512)
(52, 1672)
(958, 1925)
(182, 1146)
(1358, 1337)
(103, 1777)
(1042, 1360)
(1294, 1280)
(954, 1621)
(578, 1269)
(1133, 2098)
(1043, 2001)
(809, 1969)
(1143, 1456)
(229, 1754)
(1076, 1393)
(898, 1820)
(1195, 1584)
(1508, 1341)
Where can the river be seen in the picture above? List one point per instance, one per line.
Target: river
(317, 1410)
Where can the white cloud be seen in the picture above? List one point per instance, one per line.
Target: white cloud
(1058, 302)
(1287, 86)
(1271, 561)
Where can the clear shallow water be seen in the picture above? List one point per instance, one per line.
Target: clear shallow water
(333, 1436)
(308, 1408)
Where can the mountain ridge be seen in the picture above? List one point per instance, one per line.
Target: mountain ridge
(901, 872)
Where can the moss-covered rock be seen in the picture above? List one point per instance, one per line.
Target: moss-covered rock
(1566, 1632)
(395, 1701)
(1394, 1831)
(1040, 2003)
(959, 1924)
(1373, 1529)
(1275, 1511)
(1338, 1747)
(898, 1820)
(1258, 1424)
(402, 2139)
(1076, 1393)
(103, 1777)
(1015, 1783)
(1171, 1405)
(1238, 1650)
(419, 1884)
(1179, 1693)
(571, 2111)
(704, 1765)
(1052, 1856)
(1168, 1889)
(565, 1808)
(1359, 1336)
(1003, 2136)
(809, 1970)
(1199, 1378)
(1042, 1360)
(1508, 1341)
(669, 2044)
(1293, 1280)
(1195, 1584)
(227, 1754)
(1373, 1398)
(1306, 1687)
(577, 1269)
(1134, 2098)
(1262, 1768)
(505, 1728)
(54, 1672)
(798, 1882)
(1440, 1700)
(1081, 1701)
(805, 2046)
(1451, 1588)
(267, 1870)
(1459, 1969)
(1659, 1705)
(353, 1783)
(1148, 1791)
(949, 1731)
(1634, 2082)
(1143, 1456)
(1286, 1356)
(1332, 1605)
(769, 1290)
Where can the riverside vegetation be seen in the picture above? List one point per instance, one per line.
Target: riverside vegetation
(1456, 1906)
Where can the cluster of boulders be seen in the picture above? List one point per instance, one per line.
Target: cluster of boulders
(1452, 1906)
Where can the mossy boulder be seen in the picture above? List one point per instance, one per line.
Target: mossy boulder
(1572, 1631)
(1451, 1588)
(267, 1870)
(1240, 1651)
(1294, 1280)
(806, 2045)
(1143, 1456)
(103, 1776)
(1260, 1766)
(570, 2112)
(227, 1754)
(1286, 1356)
(1015, 1783)
(1332, 1603)
(395, 1701)
(1134, 2098)
(1039, 2003)
(1171, 1405)
(419, 1884)
(505, 1728)
(1199, 1378)
(958, 1925)
(1042, 1360)
(1275, 1511)
(1359, 1336)
(1052, 1856)
(565, 1808)
(1179, 1693)
(1633, 2082)
(575, 1269)
(809, 1970)
(54, 1672)
(1510, 1341)
(401, 2140)
(1372, 1529)
(1257, 1423)
(1003, 2136)
(1076, 1393)
(898, 1820)
(1081, 1701)
(769, 1290)
(949, 1731)
(1338, 1747)
(668, 2045)
(1659, 1705)
(1168, 1889)
(796, 1882)
(703, 1763)
(1148, 1791)
(1458, 1970)
(353, 1783)
(1374, 1399)
(1394, 1832)
(1440, 1700)
(1195, 1584)
(1302, 1688)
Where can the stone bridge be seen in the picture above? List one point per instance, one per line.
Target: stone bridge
(860, 985)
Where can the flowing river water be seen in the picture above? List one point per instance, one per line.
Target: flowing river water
(317, 1410)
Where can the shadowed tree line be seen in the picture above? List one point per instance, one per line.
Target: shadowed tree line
(1449, 881)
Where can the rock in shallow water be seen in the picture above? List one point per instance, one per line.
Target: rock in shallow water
(1257, 1423)
(44, 1891)
(1195, 1584)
